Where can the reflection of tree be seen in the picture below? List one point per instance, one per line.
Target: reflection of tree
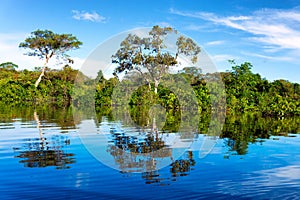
(135, 155)
(183, 166)
(153, 177)
(150, 144)
(132, 153)
(130, 162)
(237, 145)
(42, 153)
(180, 167)
(45, 158)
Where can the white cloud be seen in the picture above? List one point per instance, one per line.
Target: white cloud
(277, 58)
(164, 24)
(88, 16)
(193, 27)
(278, 28)
(220, 58)
(215, 43)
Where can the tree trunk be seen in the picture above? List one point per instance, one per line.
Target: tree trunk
(155, 86)
(42, 74)
(40, 77)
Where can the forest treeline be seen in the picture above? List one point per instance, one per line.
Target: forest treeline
(239, 130)
(246, 92)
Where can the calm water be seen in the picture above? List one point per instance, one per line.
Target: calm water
(45, 156)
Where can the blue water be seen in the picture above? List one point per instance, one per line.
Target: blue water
(269, 170)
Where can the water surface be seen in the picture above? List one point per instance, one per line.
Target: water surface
(43, 156)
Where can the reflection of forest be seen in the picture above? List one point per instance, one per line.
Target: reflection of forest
(238, 132)
(63, 117)
(47, 150)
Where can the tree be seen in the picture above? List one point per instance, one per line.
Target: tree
(45, 44)
(149, 55)
(8, 65)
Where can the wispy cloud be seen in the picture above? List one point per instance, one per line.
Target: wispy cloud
(277, 58)
(164, 24)
(278, 28)
(220, 58)
(196, 27)
(88, 16)
(215, 43)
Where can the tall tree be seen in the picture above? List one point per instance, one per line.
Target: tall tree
(149, 55)
(45, 44)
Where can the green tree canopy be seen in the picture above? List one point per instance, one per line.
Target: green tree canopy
(8, 65)
(45, 44)
(149, 55)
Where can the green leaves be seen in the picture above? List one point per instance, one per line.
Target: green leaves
(46, 44)
(8, 66)
(249, 93)
(16, 87)
(149, 55)
(188, 47)
(158, 35)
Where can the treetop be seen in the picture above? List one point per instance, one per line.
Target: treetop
(45, 44)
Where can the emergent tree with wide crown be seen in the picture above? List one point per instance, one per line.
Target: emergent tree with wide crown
(45, 44)
(149, 55)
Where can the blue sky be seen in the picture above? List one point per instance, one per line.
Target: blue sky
(265, 33)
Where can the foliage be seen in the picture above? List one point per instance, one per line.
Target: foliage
(149, 55)
(45, 44)
(16, 87)
(8, 66)
(246, 92)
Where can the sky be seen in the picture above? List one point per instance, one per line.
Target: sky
(265, 33)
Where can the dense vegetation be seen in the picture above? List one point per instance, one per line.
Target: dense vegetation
(17, 87)
(256, 108)
(45, 44)
(246, 92)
